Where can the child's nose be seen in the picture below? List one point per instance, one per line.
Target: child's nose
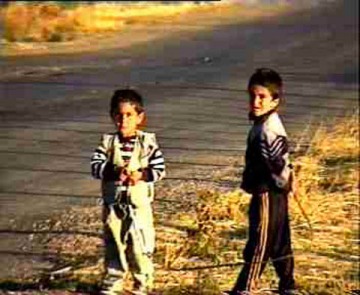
(256, 101)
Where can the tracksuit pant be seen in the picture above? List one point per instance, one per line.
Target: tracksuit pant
(269, 238)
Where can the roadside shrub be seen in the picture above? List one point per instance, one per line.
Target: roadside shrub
(56, 22)
(38, 22)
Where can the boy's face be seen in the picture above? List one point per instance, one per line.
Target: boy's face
(261, 100)
(128, 119)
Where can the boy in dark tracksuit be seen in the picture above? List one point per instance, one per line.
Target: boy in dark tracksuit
(267, 177)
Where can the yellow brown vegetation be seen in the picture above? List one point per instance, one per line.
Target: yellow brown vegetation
(50, 22)
(199, 248)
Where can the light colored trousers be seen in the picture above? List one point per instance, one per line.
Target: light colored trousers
(129, 242)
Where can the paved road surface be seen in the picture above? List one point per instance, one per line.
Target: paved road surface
(54, 108)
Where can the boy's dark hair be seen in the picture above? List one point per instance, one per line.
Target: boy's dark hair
(267, 78)
(126, 95)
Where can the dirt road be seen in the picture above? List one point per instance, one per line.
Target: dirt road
(54, 108)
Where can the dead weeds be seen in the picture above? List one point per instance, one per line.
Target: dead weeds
(199, 243)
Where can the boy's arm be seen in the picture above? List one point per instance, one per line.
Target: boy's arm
(273, 148)
(275, 154)
(156, 169)
(101, 166)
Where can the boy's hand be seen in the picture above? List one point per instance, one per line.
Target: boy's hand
(135, 177)
(293, 183)
(124, 175)
(131, 177)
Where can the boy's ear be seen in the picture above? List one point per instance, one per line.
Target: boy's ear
(275, 102)
(141, 120)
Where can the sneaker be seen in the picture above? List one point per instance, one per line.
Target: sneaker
(112, 283)
(109, 292)
(235, 293)
(139, 291)
(290, 292)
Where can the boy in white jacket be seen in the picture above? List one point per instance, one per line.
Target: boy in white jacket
(128, 162)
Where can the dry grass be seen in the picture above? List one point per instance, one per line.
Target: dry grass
(50, 22)
(327, 259)
(199, 244)
(328, 186)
